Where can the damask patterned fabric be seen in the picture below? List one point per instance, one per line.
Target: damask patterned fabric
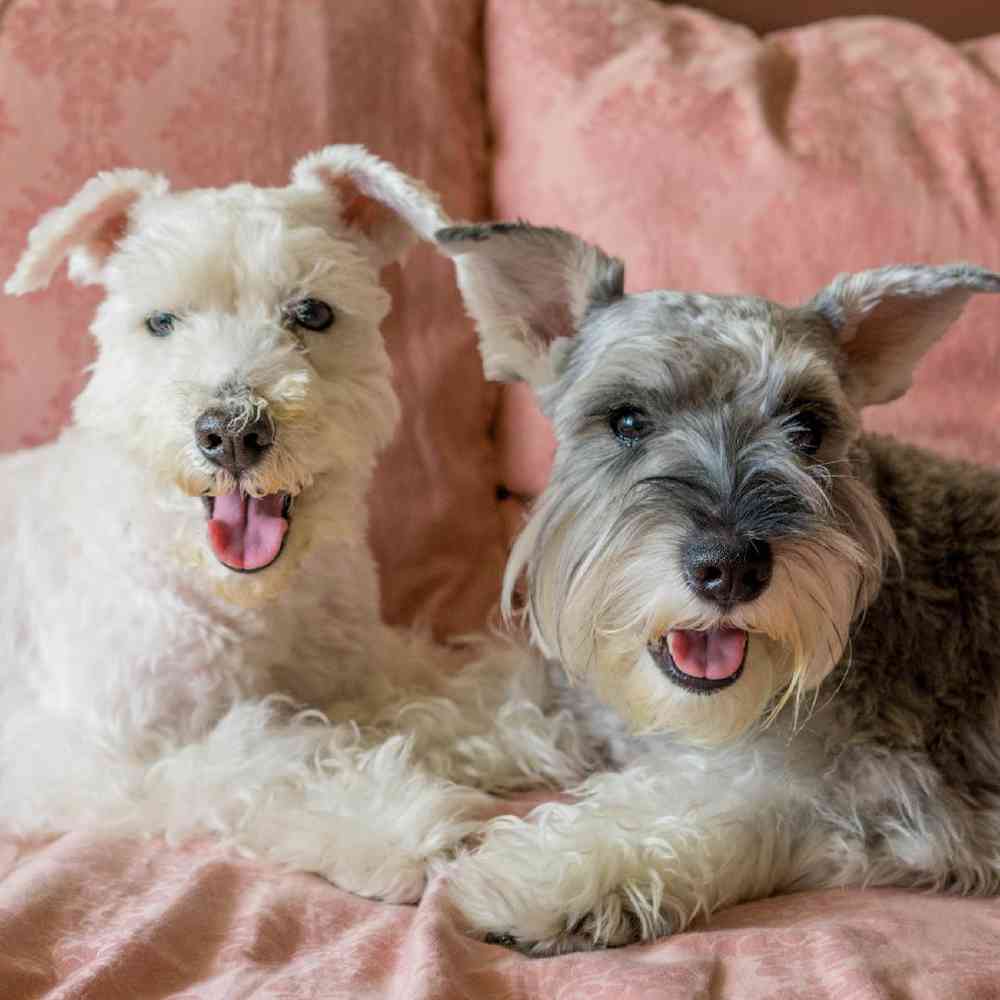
(643, 126)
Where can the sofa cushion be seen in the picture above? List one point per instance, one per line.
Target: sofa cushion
(213, 93)
(710, 158)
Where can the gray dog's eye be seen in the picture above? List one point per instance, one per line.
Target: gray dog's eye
(161, 324)
(311, 314)
(806, 430)
(628, 424)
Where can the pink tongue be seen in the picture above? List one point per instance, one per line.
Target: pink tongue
(246, 532)
(714, 654)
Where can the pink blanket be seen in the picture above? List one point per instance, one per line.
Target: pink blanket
(87, 918)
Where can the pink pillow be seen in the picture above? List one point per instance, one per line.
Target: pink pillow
(212, 93)
(712, 159)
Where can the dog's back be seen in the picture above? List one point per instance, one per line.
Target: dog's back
(922, 671)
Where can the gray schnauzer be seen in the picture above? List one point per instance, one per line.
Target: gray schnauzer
(787, 628)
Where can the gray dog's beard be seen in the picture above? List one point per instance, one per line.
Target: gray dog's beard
(606, 592)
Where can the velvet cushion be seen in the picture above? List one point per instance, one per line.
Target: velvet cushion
(213, 93)
(710, 158)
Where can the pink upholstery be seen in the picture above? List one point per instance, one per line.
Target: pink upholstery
(87, 919)
(712, 159)
(213, 93)
(704, 155)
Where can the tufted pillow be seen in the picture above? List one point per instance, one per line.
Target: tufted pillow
(710, 158)
(213, 93)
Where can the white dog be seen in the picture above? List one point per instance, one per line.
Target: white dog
(196, 543)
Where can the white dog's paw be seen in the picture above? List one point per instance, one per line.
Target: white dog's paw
(398, 878)
(528, 888)
(392, 861)
(367, 819)
(391, 865)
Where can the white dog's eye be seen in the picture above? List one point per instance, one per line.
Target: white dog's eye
(161, 324)
(312, 314)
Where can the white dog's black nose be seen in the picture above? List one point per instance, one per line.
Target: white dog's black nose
(235, 450)
(727, 570)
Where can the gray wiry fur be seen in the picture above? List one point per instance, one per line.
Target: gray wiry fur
(860, 743)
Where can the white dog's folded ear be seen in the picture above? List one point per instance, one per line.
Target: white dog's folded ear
(527, 287)
(86, 230)
(887, 318)
(373, 198)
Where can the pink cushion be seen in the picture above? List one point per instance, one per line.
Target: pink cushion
(212, 93)
(712, 159)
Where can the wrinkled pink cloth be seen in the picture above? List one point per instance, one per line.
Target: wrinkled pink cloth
(89, 919)
(706, 157)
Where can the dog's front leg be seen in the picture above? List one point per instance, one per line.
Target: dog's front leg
(317, 797)
(639, 856)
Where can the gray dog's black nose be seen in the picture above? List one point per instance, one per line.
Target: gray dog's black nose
(727, 570)
(234, 450)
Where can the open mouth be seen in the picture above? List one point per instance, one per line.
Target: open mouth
(702, 661)
(248, 533)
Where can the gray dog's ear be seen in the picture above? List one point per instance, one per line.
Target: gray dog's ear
(526, 287)
(373, 198)
(85, 230)
(886, 319)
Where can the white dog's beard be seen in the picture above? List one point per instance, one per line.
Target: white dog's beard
(247, 533)
(247, 521)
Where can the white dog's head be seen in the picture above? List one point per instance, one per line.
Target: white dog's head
(239, 352)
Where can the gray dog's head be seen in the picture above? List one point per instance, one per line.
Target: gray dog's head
(708, 534)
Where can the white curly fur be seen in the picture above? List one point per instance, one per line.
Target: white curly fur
(146, 685)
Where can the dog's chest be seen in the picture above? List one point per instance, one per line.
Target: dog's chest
(99, 619)
(147, 657)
